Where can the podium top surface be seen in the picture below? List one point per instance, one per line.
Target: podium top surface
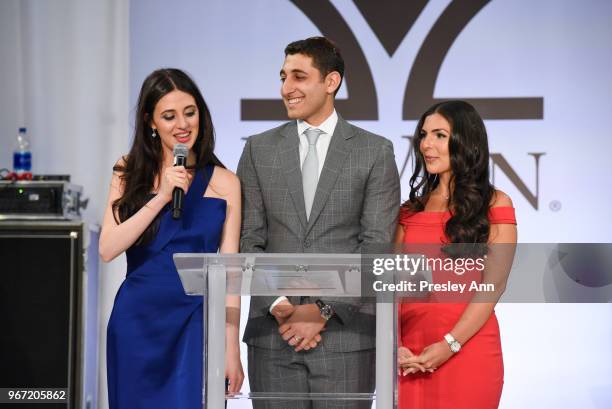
(272, 274)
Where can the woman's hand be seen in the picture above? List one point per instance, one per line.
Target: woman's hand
(116, 237)
(233, 370)
(434, 355)
(171, 177)
(407, 362)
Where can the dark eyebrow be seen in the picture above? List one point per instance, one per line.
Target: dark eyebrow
(440, 129)
(282, 72)
(173, 110)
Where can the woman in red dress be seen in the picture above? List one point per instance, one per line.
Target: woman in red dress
(450, 352)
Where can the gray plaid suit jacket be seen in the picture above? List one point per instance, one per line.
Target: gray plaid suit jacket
(356, 203)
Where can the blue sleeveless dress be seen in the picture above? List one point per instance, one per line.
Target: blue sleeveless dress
(155, 332)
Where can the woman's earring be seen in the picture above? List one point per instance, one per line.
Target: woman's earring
(154, 133)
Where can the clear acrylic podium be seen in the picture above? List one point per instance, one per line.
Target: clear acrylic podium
(261, 274)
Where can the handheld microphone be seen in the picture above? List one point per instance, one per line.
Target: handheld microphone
(180, 159)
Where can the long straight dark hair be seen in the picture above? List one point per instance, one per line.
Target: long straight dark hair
(471, 193)
(142, 166)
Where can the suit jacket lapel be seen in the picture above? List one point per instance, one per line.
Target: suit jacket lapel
(290, 164)
(339, 148)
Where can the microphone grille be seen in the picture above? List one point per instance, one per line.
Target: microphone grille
(180, 150)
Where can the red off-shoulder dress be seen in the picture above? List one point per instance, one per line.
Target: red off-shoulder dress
(470, 379)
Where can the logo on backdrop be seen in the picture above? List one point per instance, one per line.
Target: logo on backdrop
(390, 21)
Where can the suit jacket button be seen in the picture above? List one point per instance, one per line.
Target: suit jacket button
(307, 243)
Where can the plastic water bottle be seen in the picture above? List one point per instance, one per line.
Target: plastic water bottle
(22, 157)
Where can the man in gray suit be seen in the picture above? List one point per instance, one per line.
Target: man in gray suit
(316, 184)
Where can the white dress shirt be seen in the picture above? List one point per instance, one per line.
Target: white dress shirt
(328, 126)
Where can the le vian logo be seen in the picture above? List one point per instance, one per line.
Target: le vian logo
(391, 20)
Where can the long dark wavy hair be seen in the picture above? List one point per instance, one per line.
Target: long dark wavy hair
(142, 166)
(471, 192)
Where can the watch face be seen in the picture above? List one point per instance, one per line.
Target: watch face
(455, 346)
(326, 312)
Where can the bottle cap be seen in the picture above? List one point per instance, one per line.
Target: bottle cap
(22, 129)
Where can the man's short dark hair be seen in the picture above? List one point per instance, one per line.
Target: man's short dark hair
(325, 55)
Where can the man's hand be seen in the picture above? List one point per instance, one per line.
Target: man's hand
(282, 311)
(303, 327)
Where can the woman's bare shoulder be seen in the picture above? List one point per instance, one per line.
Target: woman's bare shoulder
(224, 183)
(501, 199)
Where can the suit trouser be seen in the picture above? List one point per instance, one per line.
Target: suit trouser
(316, 371)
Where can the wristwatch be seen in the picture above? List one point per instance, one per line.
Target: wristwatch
(326, 310)
(454, 345)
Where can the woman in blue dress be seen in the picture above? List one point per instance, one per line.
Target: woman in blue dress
(155, 332)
